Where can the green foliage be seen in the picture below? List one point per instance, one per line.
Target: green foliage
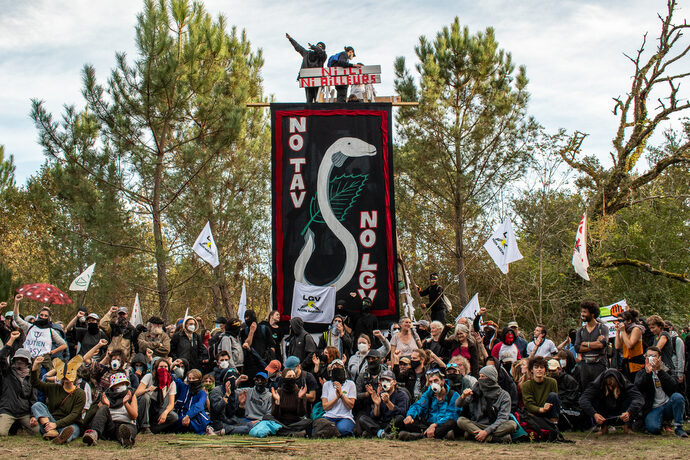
(6, 171)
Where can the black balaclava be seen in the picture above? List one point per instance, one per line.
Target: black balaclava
(338, 375)
(250, 317)
(297, 326)
(289, 384)
(92, 328)
(195, 387)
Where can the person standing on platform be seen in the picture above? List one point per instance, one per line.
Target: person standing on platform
(312, 58)
(342, 59)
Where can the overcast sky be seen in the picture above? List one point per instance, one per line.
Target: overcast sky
(573, 50)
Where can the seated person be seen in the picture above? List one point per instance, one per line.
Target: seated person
(568, 389)
(389, 406)
(540, 393)
(489, 409)
(434, 414)
(458, 374)
(290, 405)
(191, 404)
(156, 399)
(60, 415)
(338, 398)
(661, 400)
(256, 401)
(506, 382)
(17, 394)
(116, 416)
(224, 406)
(611, 400)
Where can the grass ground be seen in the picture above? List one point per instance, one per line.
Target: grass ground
(616, 445)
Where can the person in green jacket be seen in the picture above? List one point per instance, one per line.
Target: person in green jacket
(59, 417)
(540, 394)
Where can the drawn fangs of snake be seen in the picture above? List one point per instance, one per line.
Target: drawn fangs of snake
(335, 156)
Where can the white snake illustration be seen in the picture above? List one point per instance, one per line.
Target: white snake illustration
(335, 156)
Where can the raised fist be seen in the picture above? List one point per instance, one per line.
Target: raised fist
(18, 297)
(102, 343)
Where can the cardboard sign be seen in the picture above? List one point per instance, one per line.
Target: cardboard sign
(366, 79)
(609, 315)
(339, 71)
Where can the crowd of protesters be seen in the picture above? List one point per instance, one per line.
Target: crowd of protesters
(99, 377)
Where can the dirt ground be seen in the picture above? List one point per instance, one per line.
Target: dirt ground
(617, 446)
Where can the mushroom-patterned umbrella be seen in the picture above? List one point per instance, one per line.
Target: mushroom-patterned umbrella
(44, 293)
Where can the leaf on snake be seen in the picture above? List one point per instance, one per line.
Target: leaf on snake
(344, 190)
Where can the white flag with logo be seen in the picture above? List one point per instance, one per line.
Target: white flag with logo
(580, 261)
(408, 306)
(471, 309)
(205, 247)
(502, 246)
(81, 282)
(135, 317)
(314, 304)
(242, 307)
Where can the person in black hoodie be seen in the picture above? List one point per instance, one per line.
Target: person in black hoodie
(301, 344)
(661, 398)
(367, 322)
(17, 393)
(611, 400)
(314, 57)
(256, 340)
(187, 344)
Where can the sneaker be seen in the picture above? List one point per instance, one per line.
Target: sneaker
(450, 436)
(408, 436)
(298, 434)
(145, 430)
(388, 436)
(680, 432)
(209, 431)
(90, 438)
(468, 436)
(64, 436)
(506, 439)
(126, 438)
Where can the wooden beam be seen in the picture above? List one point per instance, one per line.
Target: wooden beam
(378, 99)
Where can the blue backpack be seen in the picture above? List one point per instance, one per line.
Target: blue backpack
(333, 59)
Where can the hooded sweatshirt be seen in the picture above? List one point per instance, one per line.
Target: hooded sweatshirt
(301, 344)
(17, 394)
(488, 404)
(189, 347)
(595, 400)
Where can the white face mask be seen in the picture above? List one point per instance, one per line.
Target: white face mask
(115, 364)
(362, 347)
(435, 387)
(224, 364)
(563, 363)
(191, 328)
(386, 385)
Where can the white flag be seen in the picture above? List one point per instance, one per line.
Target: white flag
(81, 282)
(502, 246)
(580, 261)
(205, 247)
(314, 304)
(408, 306)
(471, 309)
(242, 307)
(135, 317)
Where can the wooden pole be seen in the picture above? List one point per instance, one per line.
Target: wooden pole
(394, 104)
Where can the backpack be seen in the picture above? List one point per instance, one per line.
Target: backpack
(539, 429)
(214, 346)
(324, 428)
(334, 59)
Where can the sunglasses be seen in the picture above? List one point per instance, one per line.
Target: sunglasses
(432, 372)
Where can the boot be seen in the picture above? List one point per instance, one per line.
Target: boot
(90, 438)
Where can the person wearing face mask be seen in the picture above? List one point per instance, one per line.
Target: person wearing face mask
(116, 416)
(357, 360)
(156, 396)
(389, 404)
(17, 394)
(489, 409)
(140, 365)
(187, 344)
(301, 343)
(122, 334)
(368, 379)
(434, 291)
(434, 414)
(258, 336)
(506, 351)
(60, 415)
(457, 376)
(191, 404)
(224, 405)
(155, 338)
(303, 379)
(222, 364)
(612, 400)
(83, 332)
(112, 362)
(336, 336)
(290, 405)
(256, 401)
(568, 393)
(506, 382)
(49, 340)
(338, 398)
(367, 322)
(231, 343)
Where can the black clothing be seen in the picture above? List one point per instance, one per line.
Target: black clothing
(301, 343)
(438, 308)
(568, 390)
(596, 400)
(16, 396)
(194, 350)
(645, 383)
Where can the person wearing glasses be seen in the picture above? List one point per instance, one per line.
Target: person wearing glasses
(434, 414)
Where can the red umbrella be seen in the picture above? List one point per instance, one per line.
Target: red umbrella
(44, 293)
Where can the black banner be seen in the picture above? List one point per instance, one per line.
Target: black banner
(333, 206)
